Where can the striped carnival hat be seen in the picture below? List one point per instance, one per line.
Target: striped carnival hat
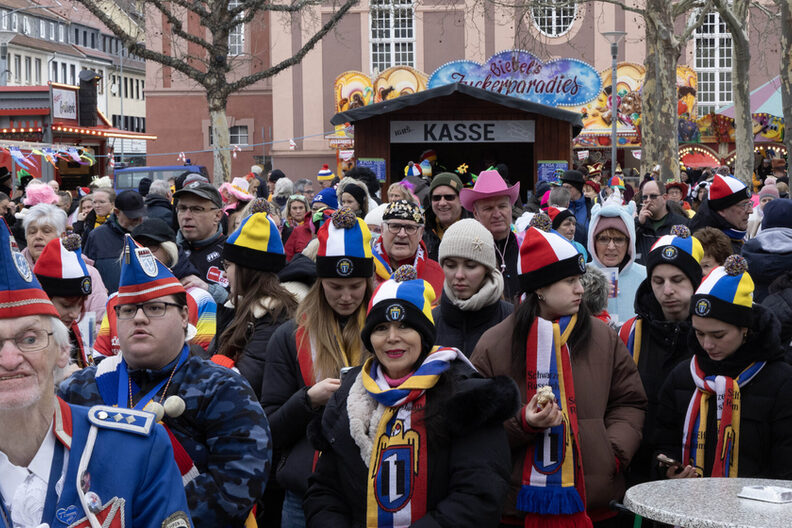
(595, 169)
(679, 249)
(412, 169)
(546, 257)
(256, 244)
(325, 174)
(616, 182)
(143, 277)
(20, 293)
(61, 269)
(344, 247)
(426, 168)
(403, 297)
(558, 215)
(726, 191)
(726, 293)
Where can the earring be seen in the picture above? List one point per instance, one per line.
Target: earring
(541, 297)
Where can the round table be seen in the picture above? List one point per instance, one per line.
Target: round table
(708, 503)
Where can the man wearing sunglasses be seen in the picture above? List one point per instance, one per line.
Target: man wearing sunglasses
(220, 435)
(654, 220)
(443, 211)
(400, 243)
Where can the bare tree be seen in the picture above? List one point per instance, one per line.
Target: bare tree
(202, 55)
(785, 12)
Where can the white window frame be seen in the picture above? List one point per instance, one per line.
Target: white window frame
(236, 37)
(61, 31)
(4, 19)
(14, 22)
(391, 34)
(42, 28)
(550, 21)
(37, 71)
(26, 25)
(713, 68)
(238, 135)
(52, 30)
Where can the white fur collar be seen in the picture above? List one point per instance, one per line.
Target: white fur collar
(260, 309)
(364, 414)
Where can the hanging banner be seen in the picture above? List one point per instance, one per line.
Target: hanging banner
(520, 74)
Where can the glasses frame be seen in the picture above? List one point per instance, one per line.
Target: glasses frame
(142, 306)
(399, 227)
(194, 209)
(16, 338)
(607, 241)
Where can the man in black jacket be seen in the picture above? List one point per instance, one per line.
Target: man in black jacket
(726, 208)
(654, 219)
(158, 203)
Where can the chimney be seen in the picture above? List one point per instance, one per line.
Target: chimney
(87, 106)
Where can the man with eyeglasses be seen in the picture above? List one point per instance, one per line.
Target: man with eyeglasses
(727, 208)
(105, 243)
(445, 209)
(220, 435)
(400, 243)
(198, 208)
(654, 219)
(60, 463)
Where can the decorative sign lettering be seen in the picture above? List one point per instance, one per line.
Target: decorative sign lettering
(462, 131)
(375, 164)
(550, 170)
(64, 104)
(517, 73)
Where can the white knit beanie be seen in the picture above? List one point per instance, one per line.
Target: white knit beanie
(470, 240)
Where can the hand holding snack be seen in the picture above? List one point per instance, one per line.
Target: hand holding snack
(542, 417)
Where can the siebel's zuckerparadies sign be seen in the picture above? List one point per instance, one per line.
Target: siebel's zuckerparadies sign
(517, 73)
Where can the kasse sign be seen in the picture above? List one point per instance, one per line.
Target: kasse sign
(462, 131)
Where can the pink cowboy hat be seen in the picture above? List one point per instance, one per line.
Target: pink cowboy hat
(488, 184)
(238, 188)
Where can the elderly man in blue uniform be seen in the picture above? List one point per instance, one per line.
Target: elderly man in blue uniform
(59, 463)
(220, 435)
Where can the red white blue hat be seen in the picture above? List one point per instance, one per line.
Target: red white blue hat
(61, 269)
(726, 293)
(143, 277)
(256, 244)
(403, 297)
(20, 293)
(344, 247)
(546, 257)
(726, 191)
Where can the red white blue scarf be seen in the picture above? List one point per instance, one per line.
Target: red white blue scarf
(382, 264)
(552, 492)
(398, 469)
(694, 435)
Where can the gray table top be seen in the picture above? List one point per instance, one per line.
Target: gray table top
(708, 503)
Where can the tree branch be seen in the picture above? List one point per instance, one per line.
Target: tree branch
(176, 25)
(690, 28)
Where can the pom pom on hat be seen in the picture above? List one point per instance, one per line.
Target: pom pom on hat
(344, 247)
(259, 205)
(325, 174)
(256, 244)
(403, 298)
(20, 292)
(678, 249)
(542, 222)
(61, 270)
(72, 242)
(726, 293)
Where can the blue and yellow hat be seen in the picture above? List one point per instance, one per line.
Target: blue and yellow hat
(403, 297)
(143, 277)
(726, 293)
(256, 244)
(344, 247)
(679, 249)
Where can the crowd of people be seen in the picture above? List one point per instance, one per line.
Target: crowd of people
(326, 352)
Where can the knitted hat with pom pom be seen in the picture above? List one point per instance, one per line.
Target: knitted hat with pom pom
(726, 293)
(679, 249)
(61, 269)
(325, 174)
(403, 298)
(344, 247)
(546, 257)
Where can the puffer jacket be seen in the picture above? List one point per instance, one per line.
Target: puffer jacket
(104, 246)
(462, 329)
(769, 256)
(765, 449)
(631, 274)
(468, 472)
(611, 405)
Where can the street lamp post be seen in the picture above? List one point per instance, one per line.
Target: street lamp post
(614, 37)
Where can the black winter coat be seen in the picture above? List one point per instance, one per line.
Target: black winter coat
(664, 345)
(646, 235)
(104, 246)
(766, 404)
(705, 217)
(159, 207)
(779, 302)
(468, 473)
(254, 356)
(462, 330)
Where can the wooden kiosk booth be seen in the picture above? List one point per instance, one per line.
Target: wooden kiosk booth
(464, 124)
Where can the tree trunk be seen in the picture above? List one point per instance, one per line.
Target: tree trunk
(786, 71)
(736, 19)
(221, 141)
(659, 139)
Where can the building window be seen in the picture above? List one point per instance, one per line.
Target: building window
(93, 40)
(37, 71)
(61, 32)
(713, 64)
(18, 68)
(143, 90)
(42, 29)
(236, 37)
(73, 74)
(26, 25)
(137, 88)
(54, 71)
(392, 34)
(52, 30)
(4, 19)
(238, 135)
(64, 78)
(28, 70)
(14, 22)
(126, 89)
(554, 21)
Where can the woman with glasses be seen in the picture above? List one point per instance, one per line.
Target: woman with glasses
(611, 244)
(306, 356)
(103, 203)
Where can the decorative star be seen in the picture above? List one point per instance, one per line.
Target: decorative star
(478, 244)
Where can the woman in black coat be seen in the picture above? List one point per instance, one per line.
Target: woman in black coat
(473, 288)
(737, 372)
(415, 436)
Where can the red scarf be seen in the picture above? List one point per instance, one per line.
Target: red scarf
(383, 266)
